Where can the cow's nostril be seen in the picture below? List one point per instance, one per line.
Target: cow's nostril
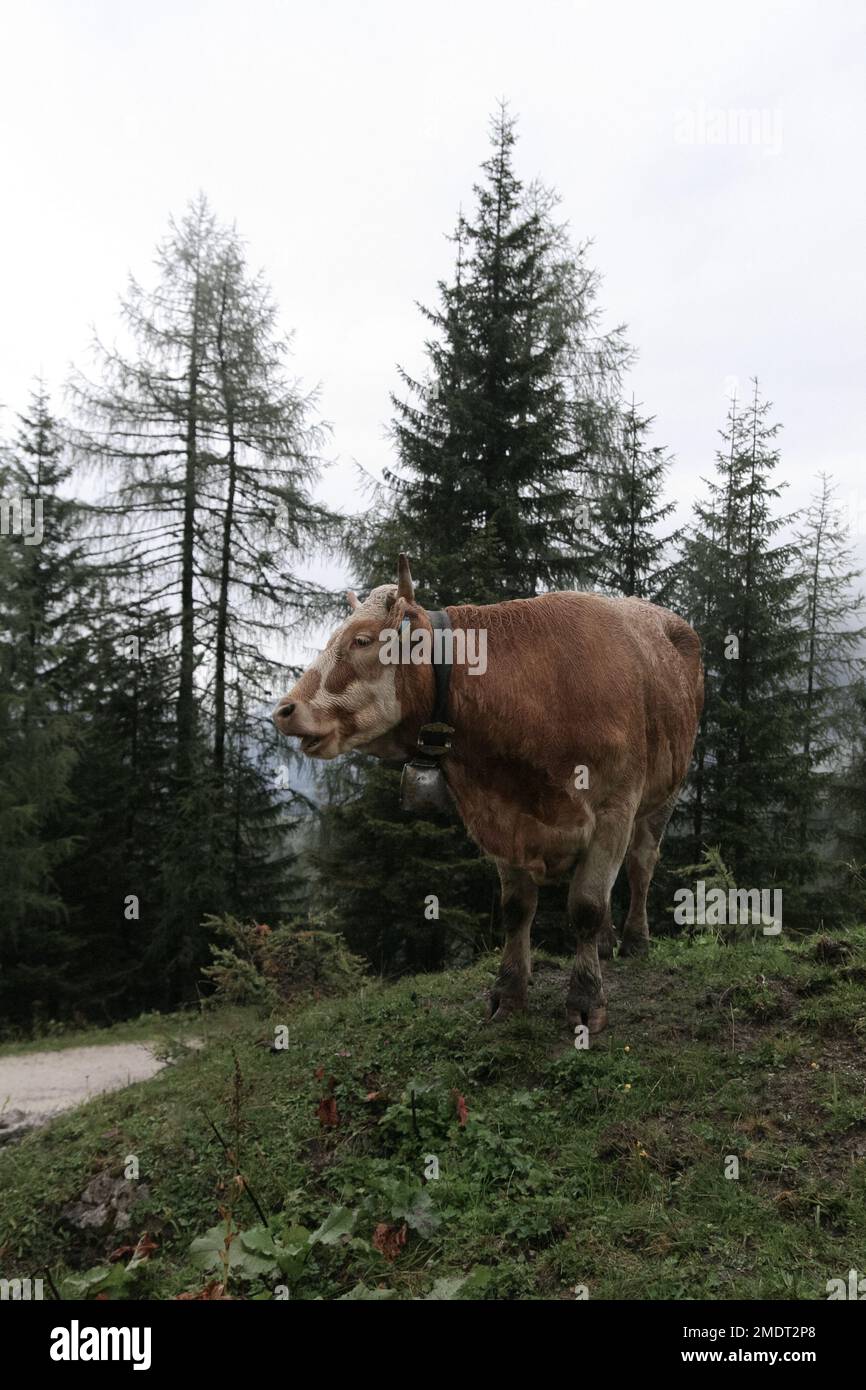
(287, 709)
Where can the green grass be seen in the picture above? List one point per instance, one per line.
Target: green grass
(150, 1027)
(603, 1168)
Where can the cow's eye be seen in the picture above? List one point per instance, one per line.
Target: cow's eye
(362, 641)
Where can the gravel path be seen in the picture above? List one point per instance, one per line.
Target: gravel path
(37, 1085)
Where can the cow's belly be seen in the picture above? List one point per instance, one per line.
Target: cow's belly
(544, 835)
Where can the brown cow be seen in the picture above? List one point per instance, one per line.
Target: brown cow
(568, 752)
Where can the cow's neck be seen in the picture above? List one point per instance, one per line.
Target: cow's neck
(419, 699)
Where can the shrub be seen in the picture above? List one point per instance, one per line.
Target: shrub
(267, 966)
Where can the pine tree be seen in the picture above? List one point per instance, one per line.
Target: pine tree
(498, 448)
(848, 790)
(264, 877)
(741, 597)
(630, 555)
(148, 420)
(112, 884)
(409, 894)
(43, 596)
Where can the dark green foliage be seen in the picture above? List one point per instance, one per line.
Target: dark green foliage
(630, 556)
(502, 442)
(378, 868)
(740, 594)
(43, 594)
(139, 643)
(120, 814)
(269, 966)
(848, 798)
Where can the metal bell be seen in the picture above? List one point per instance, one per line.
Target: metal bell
(424, 790)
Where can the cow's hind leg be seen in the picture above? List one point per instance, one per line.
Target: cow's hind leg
(519, 900)
(643, 855)
(589, 915)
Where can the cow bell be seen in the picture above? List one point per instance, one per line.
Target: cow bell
(423, 788)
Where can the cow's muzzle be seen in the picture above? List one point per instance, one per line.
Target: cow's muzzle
(295, 721)
(282, 716)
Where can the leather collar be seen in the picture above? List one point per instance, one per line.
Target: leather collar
(434, 738)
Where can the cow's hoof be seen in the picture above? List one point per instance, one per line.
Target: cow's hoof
(502, 1006)
(594, 1019)
(634, 946)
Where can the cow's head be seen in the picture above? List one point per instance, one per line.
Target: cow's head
(349, 698)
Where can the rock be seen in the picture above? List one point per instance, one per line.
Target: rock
(104, 1206)
(14, 1124)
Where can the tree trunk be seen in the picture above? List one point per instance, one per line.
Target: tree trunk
(186, 691)
(225, 558)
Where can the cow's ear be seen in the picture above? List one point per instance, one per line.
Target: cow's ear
(352, 599)
(405, 587)
(396, 613)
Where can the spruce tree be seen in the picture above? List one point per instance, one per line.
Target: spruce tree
(741, 597)
(499, 445)
(125, 780)
(409, 894)
(631, 558)
(43, 597)
(848, 790)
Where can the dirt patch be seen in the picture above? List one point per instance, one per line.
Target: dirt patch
(666, 1145)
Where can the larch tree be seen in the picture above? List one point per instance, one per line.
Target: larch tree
(210, 449)
(827, 603)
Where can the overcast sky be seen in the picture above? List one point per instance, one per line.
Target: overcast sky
(342, 138)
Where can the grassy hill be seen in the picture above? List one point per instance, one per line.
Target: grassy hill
(557, 1168)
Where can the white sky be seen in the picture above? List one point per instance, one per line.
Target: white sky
(342, 138)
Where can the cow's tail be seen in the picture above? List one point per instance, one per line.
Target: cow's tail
(688, 647)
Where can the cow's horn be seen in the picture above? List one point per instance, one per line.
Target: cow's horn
(405, 587)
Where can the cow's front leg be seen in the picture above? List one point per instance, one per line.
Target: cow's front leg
(606, 940)
(519, 900)
(590, 918)
(586, 1003)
